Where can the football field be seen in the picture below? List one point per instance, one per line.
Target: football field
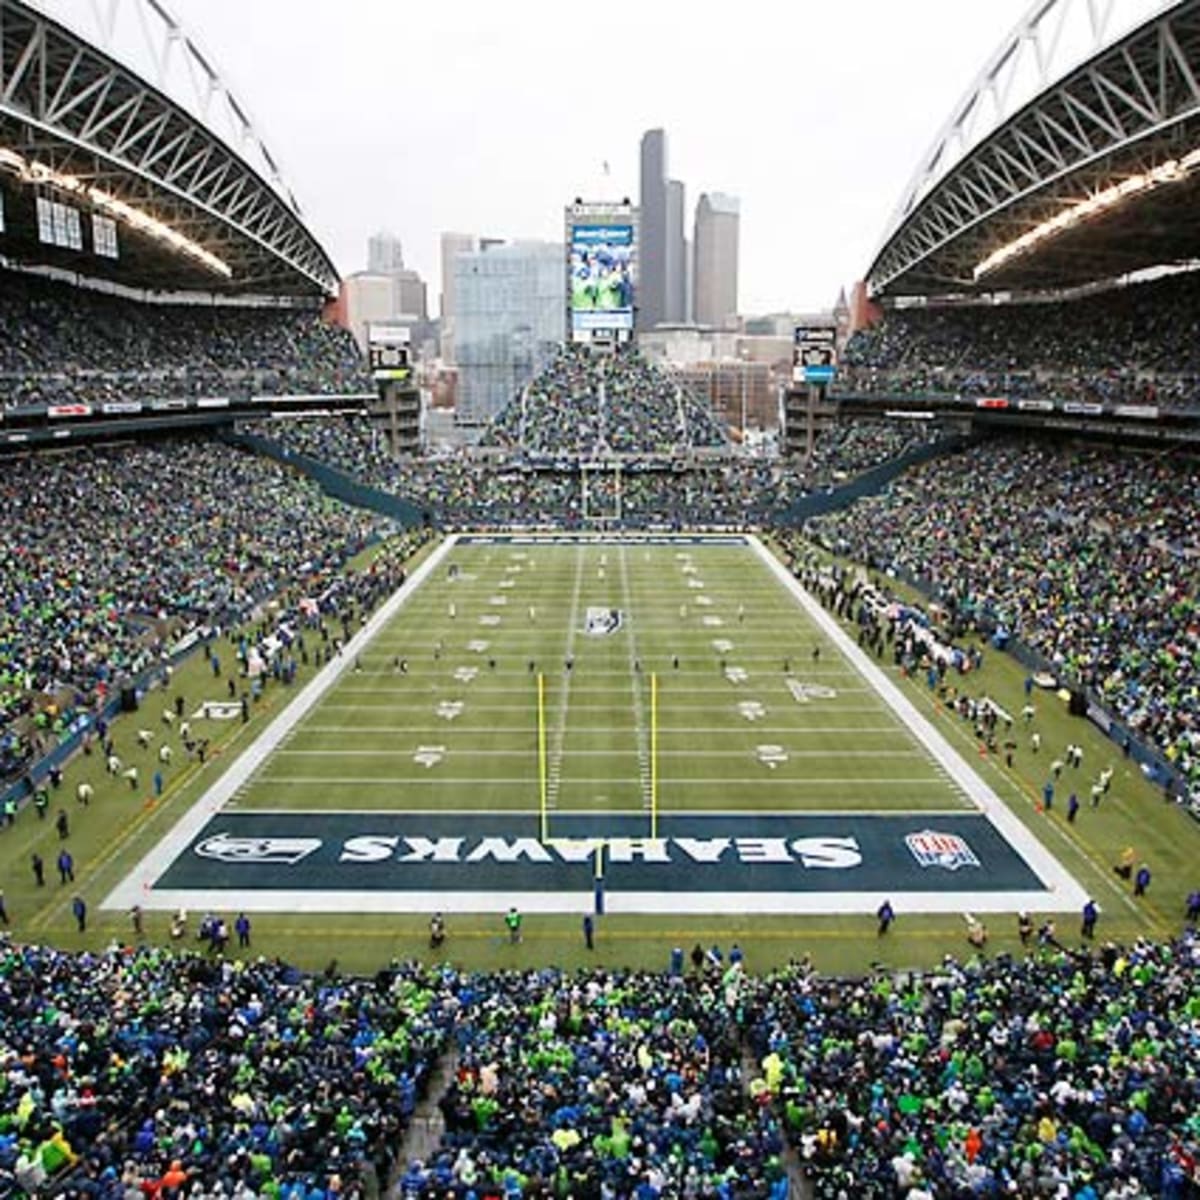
(649, 724)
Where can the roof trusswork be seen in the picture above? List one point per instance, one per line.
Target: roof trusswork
(72, 111)
(1122, 112)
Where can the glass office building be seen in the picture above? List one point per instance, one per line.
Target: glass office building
(510, 305)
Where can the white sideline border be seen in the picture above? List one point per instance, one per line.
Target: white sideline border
(1063, 893)
(137, 887)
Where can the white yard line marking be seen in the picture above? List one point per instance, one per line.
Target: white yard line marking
(606, 752)
(663, 730)
(425, 780)
(558, 733)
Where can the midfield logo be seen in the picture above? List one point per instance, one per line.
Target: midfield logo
(600, 622)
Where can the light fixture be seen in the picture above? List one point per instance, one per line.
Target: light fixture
(1172, 171)
(110, 205)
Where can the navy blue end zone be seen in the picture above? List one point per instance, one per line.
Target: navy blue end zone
(961, 854)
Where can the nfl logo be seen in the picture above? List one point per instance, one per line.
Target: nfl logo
(946, 850)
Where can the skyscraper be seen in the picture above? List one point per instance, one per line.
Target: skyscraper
(411, 294)
(453, 244)
(385, 255)
(716, 250)
(652, 236)
(675, 310)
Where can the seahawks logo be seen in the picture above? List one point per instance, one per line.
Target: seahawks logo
(600, 622)
(226, 848)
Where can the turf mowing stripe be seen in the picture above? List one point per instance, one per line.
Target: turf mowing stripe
(463, 724)
(608, 752)
(438, 780)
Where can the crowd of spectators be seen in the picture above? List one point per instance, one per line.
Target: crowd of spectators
(1060, 1075)
(1134, 345)
(602, 1084)
(1089, 556)
(591, 407)
(65, 344)
(108, 556)
(486, 489)
(140, 1072)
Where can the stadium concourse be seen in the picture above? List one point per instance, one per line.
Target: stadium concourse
(1132, 345)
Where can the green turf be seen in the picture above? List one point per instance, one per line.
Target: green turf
(597, 730)
(364, 745)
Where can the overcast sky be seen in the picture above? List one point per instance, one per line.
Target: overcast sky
(420, 116)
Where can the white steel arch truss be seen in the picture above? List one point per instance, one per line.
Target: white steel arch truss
(994, 160)
(77, 109)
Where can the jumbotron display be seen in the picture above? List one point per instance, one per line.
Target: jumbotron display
(602, 277)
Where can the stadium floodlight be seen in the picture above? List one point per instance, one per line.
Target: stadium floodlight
(113, 206)
(1172, 171)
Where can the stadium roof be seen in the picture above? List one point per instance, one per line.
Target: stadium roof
(1072, 158)
(112, 109)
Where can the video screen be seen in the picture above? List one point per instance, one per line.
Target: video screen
(602, 277)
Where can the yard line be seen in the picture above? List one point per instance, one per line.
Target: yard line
(663, 730)
(436, 780)
(838, 710)
(555, 754)
(635, 680)
(605, 752)
(728, 814)
(583, 685)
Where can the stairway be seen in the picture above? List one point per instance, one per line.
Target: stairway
(425, 1128)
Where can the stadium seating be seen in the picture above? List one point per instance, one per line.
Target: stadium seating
(1065, 1074)
(473, 490)
(583, 407)
(142, 1072)
(108, 556)
(1131, 345)
(146, 1072)
(66, 345)
(1089, 556)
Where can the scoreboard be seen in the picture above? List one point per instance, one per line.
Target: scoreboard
(388, 353)
(814, 354)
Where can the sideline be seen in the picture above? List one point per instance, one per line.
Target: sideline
(1064, 894)
(137, 887)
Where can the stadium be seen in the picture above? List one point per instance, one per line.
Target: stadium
(600, 811)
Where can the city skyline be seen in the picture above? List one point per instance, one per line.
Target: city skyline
(417, 121)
